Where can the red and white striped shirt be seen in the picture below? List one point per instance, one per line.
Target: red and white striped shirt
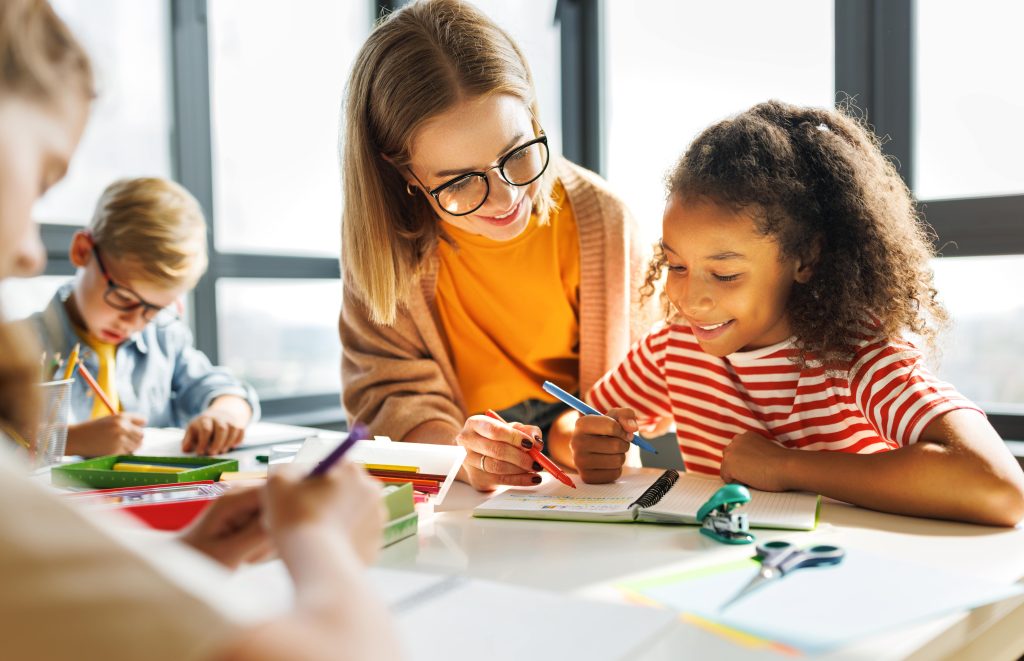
(883, 401)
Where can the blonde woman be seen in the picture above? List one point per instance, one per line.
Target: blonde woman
(477, 263)
(72, 588)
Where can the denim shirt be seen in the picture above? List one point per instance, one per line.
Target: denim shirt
(160, 375)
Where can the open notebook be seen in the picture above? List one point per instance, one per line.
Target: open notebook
(647, 495)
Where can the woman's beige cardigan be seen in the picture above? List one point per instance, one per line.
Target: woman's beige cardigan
(395, 378)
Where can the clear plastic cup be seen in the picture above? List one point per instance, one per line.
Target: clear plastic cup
(52, 435)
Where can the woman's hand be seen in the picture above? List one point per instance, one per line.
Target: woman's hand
(113, 434)
(599, 444)
(345, 498)
(497, 453)
(230, 530)
(755, 461)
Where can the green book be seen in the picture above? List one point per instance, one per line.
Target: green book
(402, 518)
(398, 500)
(400, 528)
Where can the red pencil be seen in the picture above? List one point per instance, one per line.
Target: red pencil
(96, 387)
(539, 456)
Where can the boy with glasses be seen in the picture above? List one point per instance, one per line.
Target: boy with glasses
(143, 251)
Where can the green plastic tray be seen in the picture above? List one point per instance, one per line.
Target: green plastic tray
(98, 472)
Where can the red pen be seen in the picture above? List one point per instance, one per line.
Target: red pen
(539, 456)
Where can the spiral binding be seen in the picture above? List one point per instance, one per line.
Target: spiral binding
(657, 491)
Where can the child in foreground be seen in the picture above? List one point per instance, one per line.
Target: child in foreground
(796, 264)
(143, 251)
(58, 562)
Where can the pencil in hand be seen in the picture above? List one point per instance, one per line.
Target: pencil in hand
(95, 387)
(538, 456)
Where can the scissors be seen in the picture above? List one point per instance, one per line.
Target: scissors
(780, 558)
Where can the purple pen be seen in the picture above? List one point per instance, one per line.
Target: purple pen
(359, 432)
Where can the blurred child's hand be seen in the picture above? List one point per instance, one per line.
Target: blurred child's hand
(215, 430)
(113, 434)
(345, 498)
(599, 444)
(230, 530)
(755, 461)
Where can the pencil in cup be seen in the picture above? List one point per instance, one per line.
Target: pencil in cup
(540, 457)
(69, 369)
(586, 409)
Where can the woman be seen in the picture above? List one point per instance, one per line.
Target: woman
(72, 588)
(477, 264)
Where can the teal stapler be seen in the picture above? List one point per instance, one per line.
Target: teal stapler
(719, 518)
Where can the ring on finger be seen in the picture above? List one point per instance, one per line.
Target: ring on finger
(483, 458)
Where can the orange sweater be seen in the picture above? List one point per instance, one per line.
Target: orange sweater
(395, 378)
(510, 310)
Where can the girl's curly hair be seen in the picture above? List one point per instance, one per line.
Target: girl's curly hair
(817, 177)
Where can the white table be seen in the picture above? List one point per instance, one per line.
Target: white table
(574, 557)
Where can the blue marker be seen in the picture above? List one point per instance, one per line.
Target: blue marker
(586, 409)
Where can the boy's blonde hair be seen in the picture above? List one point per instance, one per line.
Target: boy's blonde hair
(419, 62)
(155, 223)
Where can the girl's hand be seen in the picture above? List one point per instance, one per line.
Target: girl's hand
(230, 530)
(497, 453)
(344, 498)
(113, 434)
(755, 461)
(599, 444)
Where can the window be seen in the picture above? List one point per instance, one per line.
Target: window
(539, 36)
(967, 139)
(25, 296)
(981, 353)
(695, 64)
(281, 335)
(277, 72)
(129, 130)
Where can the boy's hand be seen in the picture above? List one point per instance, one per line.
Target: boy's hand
(230, 530)
(599, 444)
(755, 461)
(215, 430)
(113, 434)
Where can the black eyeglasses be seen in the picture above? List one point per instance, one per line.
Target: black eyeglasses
(467, 192)
(124, 299)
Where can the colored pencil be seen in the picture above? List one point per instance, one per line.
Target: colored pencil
(95, 386)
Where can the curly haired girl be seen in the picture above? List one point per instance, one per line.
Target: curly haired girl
(796, 262)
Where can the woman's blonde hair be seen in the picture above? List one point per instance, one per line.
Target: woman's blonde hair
(41, 60)
(419, 62)
(156, 223)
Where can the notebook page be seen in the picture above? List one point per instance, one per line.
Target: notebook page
(554, 497)
(796, 511)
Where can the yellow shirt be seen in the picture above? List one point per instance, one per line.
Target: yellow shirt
(510, 310)
(107, 378)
